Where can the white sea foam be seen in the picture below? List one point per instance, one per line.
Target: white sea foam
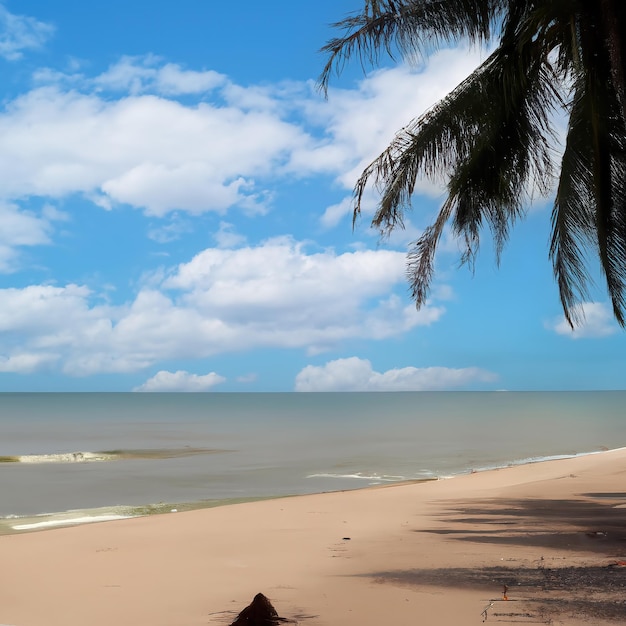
(87, 519)
(537, 459)
(360, 476)
(87, 456)
(65, 457)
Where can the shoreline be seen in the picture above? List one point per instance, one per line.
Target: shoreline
(73, 517)
(17, 524)
(441, 552)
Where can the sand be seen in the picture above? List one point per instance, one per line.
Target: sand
(436, 553)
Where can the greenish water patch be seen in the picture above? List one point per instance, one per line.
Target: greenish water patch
(160, 453)
(181, 507)
(52, 521)
(9, 459)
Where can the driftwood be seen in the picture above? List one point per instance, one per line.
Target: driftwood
(259, 612)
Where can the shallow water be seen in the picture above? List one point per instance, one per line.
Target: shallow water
(200, 448)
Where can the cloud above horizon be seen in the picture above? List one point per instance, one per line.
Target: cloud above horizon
(276, 295)
(180, 380)
(355, 374)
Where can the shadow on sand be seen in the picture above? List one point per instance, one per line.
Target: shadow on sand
(546, 588)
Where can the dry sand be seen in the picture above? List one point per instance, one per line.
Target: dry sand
(436, 553)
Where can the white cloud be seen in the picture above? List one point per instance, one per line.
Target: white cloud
(226, 237)
(26, 363)
(306, 299)
(171, 231)
(146, 149)
(21, 228)
(143, 74)
(360, 123)
(19, 33)
(247, 378)
(38, 309)
(150, 152)
(354, 374)
(597, 321)
(336, 212)
(180, 381)
(161, 189)
(42, 325)
(274, 295)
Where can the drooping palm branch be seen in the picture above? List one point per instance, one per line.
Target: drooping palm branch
(491, 137)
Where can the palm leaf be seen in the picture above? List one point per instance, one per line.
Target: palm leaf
(573, 220)
(608, 135)
(413, 28)
(490, 138)
(490, 159)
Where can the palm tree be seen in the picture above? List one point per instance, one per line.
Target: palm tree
(492, 137)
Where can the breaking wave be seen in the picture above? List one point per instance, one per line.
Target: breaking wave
(107, 455)
(373, 479)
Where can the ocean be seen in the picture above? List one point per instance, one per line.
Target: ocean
(78, 457)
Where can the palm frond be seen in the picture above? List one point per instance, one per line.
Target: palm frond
(511, 152)
(421, 257)
(412, 27)
(490, 137)
(573, 220)
(613, 37)
(608, 136)
(590, 207)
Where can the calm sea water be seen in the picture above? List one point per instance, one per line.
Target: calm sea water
(260, 445)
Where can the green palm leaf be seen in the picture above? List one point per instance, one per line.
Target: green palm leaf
(491, 137)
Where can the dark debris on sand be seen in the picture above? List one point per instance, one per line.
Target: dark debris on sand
(259, 612)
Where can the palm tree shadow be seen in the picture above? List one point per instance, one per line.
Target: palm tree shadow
(594, 524)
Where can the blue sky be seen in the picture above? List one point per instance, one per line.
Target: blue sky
(175, 215)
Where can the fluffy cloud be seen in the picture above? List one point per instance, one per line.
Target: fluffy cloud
(145, 74)
(146, 151)
(39, 309)
(123, 138)
(597, 322)
(305, 299)
(361, 122)
(20, 228)
(336, 212)
(26, 363)
(19, 33)
(275, 295)
(227, 237)
(180, 381)
(354, 374)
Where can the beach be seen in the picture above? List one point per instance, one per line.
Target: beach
(437, 552)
